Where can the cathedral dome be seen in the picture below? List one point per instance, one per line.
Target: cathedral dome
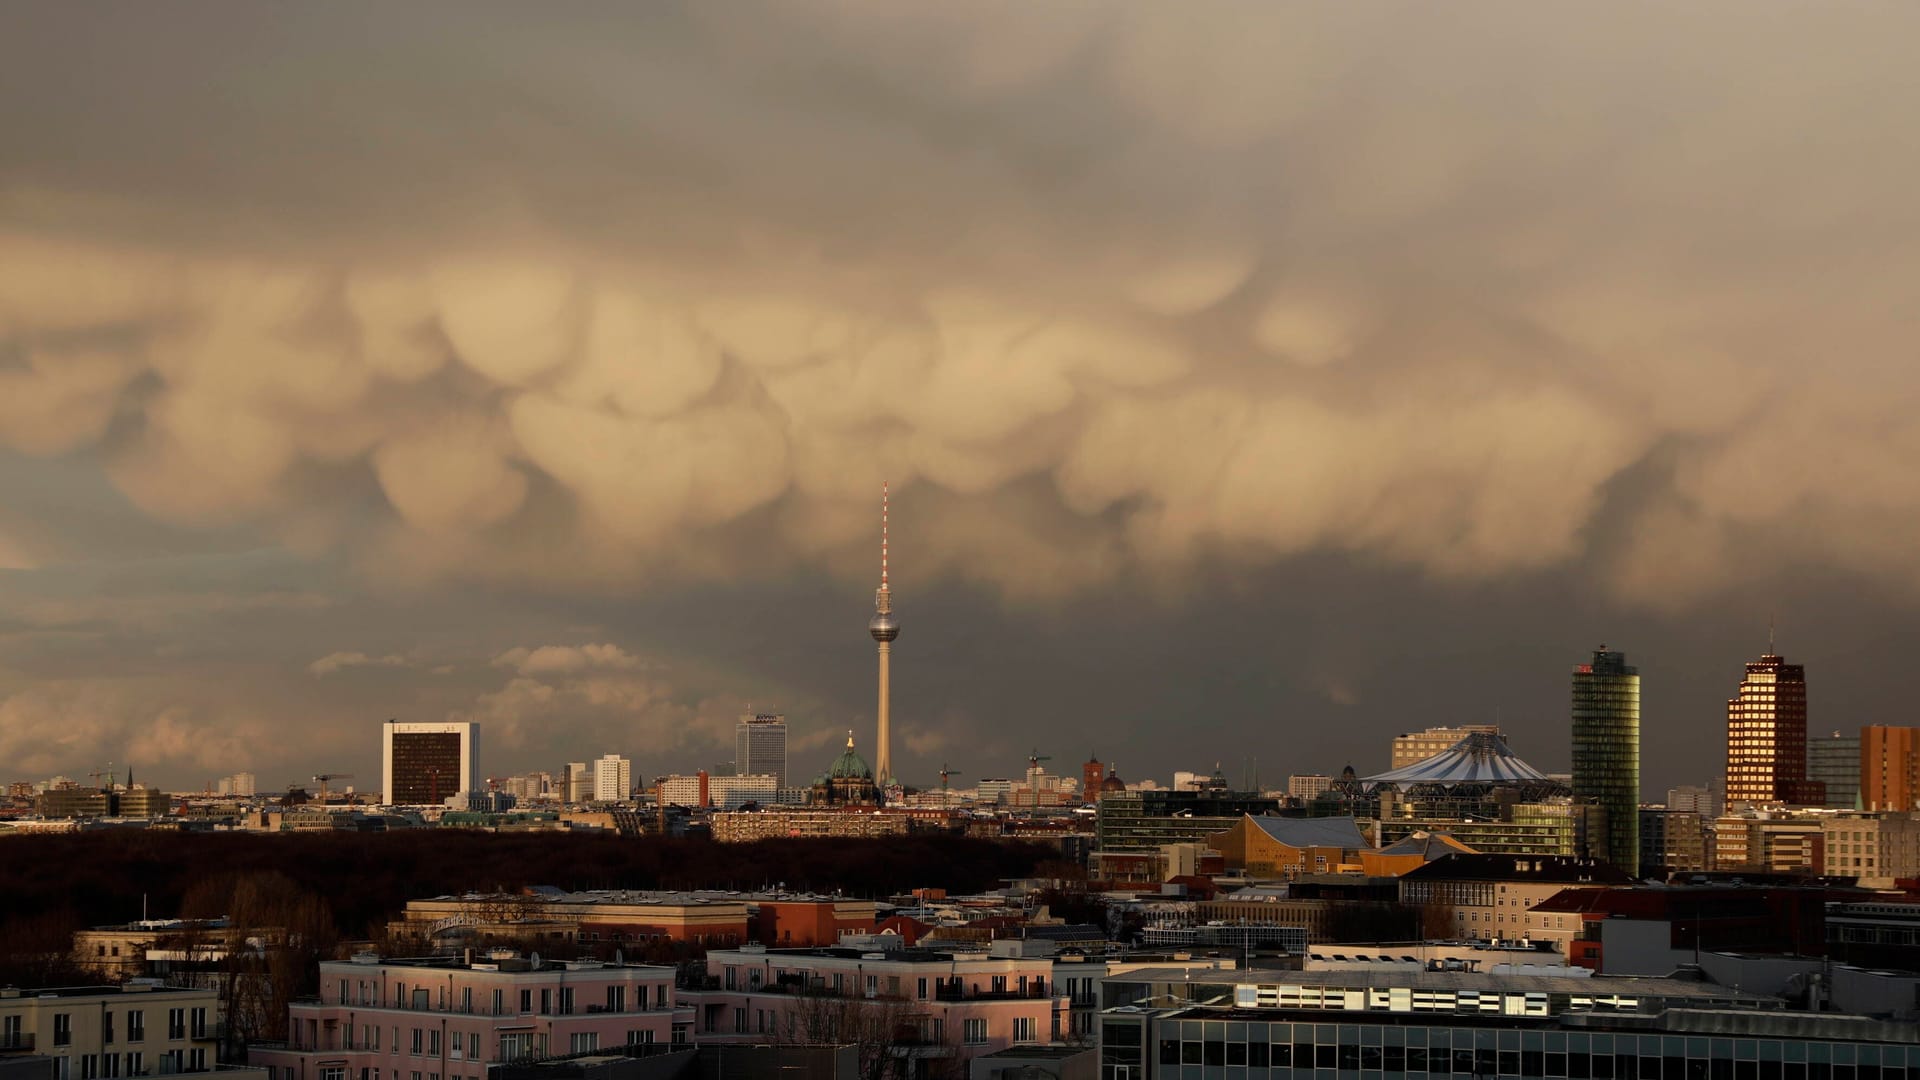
(849, 765)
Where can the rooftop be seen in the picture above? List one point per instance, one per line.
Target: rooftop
(1393, 977)
(1546, 869)
(1302, 832)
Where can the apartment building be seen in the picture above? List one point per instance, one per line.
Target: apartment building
(1878, 849)
(106, 1032)
(430, 1019)
(936, 1002)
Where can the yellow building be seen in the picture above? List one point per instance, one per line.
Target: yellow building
(1272, 846)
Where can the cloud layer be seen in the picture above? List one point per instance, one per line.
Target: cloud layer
(1110, 292)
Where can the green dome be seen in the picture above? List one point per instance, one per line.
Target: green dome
(849, 765)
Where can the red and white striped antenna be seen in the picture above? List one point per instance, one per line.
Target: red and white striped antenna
(883, 533)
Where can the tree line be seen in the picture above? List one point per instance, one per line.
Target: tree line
(345, 886)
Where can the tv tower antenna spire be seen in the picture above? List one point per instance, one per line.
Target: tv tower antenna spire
(884, 629)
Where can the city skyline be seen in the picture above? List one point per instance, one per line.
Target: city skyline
(1257, 384)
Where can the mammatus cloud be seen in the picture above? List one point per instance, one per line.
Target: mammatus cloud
(671, 292)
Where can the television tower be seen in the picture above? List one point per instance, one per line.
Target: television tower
(884, 629)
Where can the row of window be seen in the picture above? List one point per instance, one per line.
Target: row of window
(552, 1002)
(132, 1063)
(179, 1023)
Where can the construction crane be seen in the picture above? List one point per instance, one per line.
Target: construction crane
(323, 778)
(98, 774)
(945, 772)
(1033, 768)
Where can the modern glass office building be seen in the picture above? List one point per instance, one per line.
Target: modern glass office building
(760, 746)
(1606, 751)
(1185, 1025)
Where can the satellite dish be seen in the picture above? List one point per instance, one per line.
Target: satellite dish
(534, 959)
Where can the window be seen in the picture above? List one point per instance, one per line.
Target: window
(566, 1001)
(466, 999)
(419, 1040)
(660, 996)
(1023, 1029)
(136, 1025)
(62, 1029)
(136, 1063)
(333, 1072)
(106, 1026)
(176, 1023)
(583, 1041)
(641, 1038)
(89, 1066)
(433, 1042)
(199, 1023)
(616, 999)
(974, 1032)
(473, 1045)
(526, 1001)
(740, 1020)
(10, 1038)
(499, 1002)
(546, 1001)
(109, 1066)
(921, 990)
(999, 984)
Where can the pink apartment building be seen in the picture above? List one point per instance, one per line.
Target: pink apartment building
(447, 1019)
(927, 1003)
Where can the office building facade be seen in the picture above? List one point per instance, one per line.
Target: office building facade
(1834, 763)
(1606, 751)
(1414, 747)
(1671, 841)
(1889, 768)
(760, 746)
(424, 764)
(1767, 737)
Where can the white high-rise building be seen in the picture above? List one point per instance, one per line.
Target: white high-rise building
(424, 764)
(240, 783)
(760, 746)
(612, 778)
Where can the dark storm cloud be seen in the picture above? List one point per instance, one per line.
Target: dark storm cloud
(1141, 309)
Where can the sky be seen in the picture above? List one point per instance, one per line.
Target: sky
(1255, 381)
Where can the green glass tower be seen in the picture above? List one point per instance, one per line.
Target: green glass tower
(1606, 751)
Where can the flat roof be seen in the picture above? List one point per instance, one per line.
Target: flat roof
(1390, 977)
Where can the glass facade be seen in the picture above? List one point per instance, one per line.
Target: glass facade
(1146, 820)
(1241, 1047)
(1606, 751)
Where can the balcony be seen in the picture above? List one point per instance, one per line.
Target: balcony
(947, 992)
(16, 1041)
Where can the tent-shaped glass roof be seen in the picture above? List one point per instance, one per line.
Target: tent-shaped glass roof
(1480, 758)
